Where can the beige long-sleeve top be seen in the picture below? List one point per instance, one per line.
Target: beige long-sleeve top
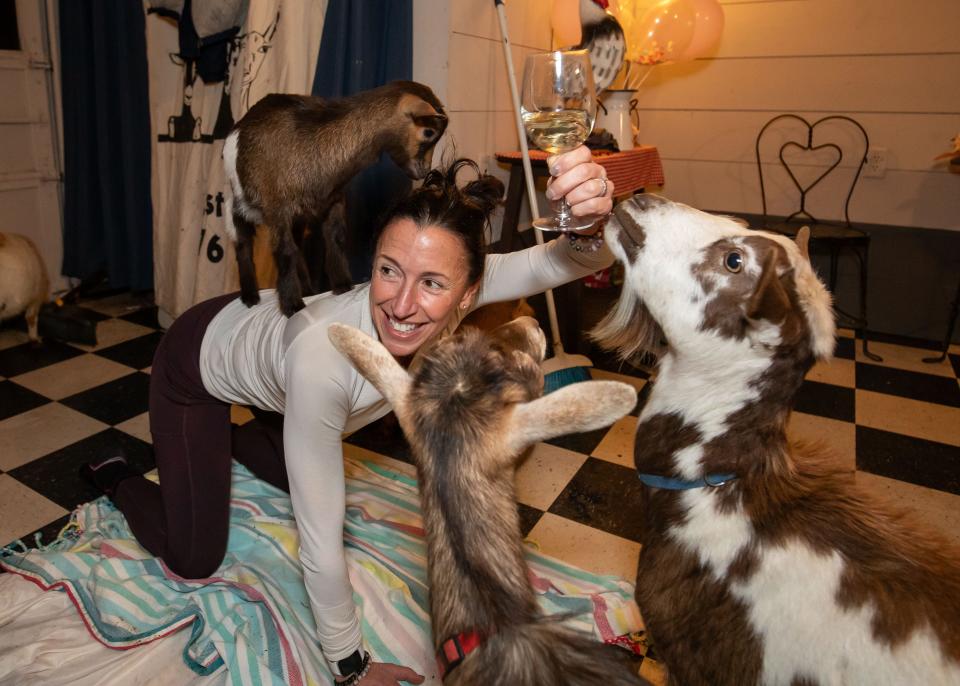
(256, 356)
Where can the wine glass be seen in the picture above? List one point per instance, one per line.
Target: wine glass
(558, 106)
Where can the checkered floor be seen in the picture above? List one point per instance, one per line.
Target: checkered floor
(897, 423)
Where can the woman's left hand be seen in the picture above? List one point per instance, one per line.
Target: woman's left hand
(582, 181)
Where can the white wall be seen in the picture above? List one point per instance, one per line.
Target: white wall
(893, 65)
(458, 53)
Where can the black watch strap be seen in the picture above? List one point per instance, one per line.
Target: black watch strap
(351, 664)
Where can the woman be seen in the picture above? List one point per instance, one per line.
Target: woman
(429, 271)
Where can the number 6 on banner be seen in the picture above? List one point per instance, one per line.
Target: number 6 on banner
(214, 249)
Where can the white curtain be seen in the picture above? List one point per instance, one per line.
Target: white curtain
(274, 52)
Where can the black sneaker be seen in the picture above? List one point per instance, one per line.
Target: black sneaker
(106, 475)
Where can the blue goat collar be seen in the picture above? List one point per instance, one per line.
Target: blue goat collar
(672, 484)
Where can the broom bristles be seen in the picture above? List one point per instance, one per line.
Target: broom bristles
(564, 377)
(564, 369)
(563, 361)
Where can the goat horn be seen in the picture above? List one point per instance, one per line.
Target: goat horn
(803, 241)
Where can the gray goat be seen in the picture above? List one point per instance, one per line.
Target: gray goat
(469, 410)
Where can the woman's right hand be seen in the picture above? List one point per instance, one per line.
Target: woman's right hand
(386, 674)
(582, 182)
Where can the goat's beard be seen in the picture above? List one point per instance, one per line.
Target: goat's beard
(629, 329)
(417, 168)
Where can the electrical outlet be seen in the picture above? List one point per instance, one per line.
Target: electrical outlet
(876, 166)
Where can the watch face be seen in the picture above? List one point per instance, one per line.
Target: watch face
(351, 664)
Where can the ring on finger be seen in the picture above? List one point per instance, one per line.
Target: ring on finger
(604, 182)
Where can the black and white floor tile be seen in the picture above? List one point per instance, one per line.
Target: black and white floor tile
(895, 423)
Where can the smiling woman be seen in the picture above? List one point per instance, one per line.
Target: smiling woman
(419, 277)
(430, 270)
(430, 259)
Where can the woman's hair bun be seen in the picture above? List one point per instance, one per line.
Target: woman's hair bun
(486, 192)
(465, 211)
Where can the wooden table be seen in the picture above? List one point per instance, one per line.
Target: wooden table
(631, 171)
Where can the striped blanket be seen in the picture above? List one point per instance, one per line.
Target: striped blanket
(253, 616)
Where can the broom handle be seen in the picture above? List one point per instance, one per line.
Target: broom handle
(527, 169)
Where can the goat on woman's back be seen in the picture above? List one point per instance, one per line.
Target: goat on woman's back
(289, 158)
(469, 409)
(760, 563)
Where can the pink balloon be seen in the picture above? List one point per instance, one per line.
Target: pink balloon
(708, 25)
(665, 31)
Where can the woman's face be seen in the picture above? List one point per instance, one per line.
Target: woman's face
(419, 280)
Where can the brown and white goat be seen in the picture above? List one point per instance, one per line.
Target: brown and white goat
(469, 409)
(24, 286)
(289, 158)
(760, 563)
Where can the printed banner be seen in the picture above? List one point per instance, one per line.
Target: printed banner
(275, 51)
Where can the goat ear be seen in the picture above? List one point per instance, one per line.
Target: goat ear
(769, 300)
(803, 241)
(435, 122)
(373, 362)
(575, 408)
(422, 111)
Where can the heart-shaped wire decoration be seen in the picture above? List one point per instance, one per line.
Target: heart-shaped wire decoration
(859, 159)
(812, 149)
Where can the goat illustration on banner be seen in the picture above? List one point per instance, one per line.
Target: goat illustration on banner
(253, 46)
(208, 92)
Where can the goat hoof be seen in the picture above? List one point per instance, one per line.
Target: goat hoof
(291, 308)
(250, 299)
(342, 288)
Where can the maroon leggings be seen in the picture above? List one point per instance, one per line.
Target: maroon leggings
(185, 519)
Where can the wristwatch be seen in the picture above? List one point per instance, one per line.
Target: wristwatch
(351, 664)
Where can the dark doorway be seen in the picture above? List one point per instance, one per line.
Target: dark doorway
(9, 36)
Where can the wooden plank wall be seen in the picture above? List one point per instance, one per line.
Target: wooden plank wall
(892, 65)
(472, 75)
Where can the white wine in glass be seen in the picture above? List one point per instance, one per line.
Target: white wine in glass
(559, 131)
(558, 108)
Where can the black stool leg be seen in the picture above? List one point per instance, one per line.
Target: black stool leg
(863, 259)
(954, 310)
(834, 258)
(511, 210)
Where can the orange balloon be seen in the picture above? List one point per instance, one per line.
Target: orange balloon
(706, 31)
(663, 33)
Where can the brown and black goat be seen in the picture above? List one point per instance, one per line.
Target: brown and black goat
(469, 408)
(289, 158)
(760, 562)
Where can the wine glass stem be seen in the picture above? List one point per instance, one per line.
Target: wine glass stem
(561, 211)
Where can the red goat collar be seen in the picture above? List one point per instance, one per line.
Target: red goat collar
(453, 650)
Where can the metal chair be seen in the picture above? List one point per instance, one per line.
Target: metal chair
(838, 134)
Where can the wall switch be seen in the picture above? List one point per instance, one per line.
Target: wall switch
(876, 166)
